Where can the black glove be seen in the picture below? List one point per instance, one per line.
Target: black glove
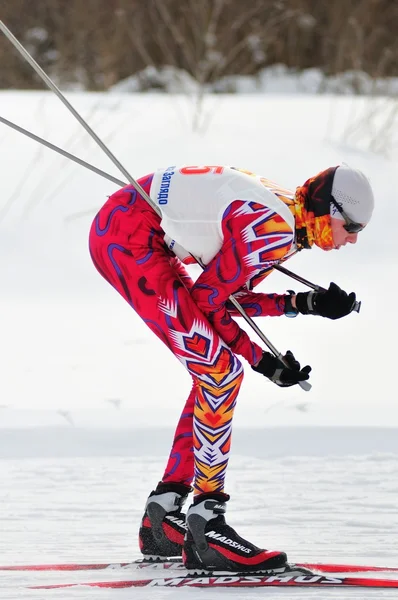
(334, 303)
(273, 368)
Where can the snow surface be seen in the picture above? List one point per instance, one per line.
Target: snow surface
(273, 79)
(84, 504)
(89, 398)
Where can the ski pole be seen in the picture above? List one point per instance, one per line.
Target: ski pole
(314, 286)
(105, 175)
(83, 163)
(72, 157)
(68, 105)
(305, 385)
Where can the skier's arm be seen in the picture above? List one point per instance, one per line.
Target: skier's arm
(257, 304)
(254, 238)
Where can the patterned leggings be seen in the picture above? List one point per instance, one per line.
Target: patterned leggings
(127, 248)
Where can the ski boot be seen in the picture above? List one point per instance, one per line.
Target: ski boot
(212, 545)
(163, 525)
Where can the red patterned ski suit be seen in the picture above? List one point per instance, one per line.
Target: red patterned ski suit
(194, 320)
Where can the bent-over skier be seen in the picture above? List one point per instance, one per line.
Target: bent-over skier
(240, 226)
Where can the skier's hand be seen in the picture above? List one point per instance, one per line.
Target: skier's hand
(334, 303)
(284, 376)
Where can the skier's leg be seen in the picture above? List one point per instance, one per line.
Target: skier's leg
(127, 247)
(128, 250)
(180, 466)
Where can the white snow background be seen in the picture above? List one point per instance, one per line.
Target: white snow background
(89, 397)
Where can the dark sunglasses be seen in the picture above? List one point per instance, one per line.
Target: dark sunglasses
(350, 225)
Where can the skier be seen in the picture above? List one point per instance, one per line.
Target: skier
(239, 225)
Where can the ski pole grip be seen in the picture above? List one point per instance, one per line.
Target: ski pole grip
(305, 385)
(356, 307)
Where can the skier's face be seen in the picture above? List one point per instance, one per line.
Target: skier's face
(340, 235)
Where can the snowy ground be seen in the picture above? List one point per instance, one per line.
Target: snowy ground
(322, 495)
(84, 387)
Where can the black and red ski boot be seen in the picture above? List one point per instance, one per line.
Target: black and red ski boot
(212, 545)
(163, 525)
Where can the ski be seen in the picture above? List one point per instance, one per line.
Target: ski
(237, 581)
(176, 563)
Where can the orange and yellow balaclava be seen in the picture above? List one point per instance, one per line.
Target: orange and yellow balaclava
(312, 211)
